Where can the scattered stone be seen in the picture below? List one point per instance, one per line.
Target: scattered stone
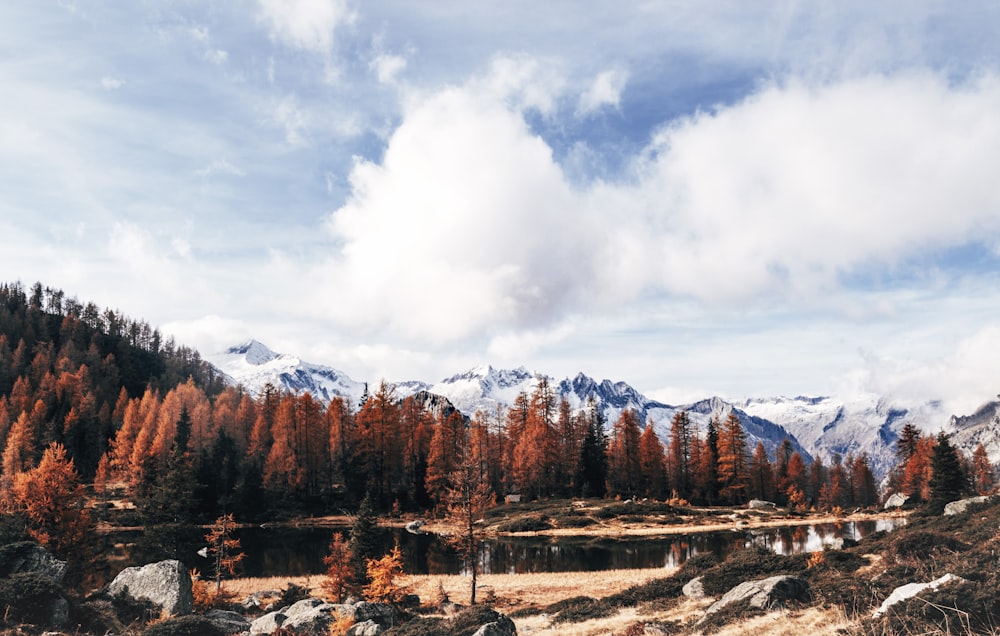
(840, 543)
(910, 590)
(228, 622)
(502, 627)
(365, 628)
(962, 505)
(166, 584)
(379, 612)
(415, 527)
(897, 500)
(767, 593)
(267, 623)
(258, 600)
(760, 504)
(694, 588)
(26, 556)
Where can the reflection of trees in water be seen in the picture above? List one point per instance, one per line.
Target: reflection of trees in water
(300, 551)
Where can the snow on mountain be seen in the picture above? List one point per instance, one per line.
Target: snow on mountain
(253, 365)
(817, 426)
(866, 424)
(485, 388)
(982, 427)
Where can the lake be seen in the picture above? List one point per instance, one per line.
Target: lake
(300, 551)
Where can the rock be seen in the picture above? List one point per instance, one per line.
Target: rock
(258, 600)
(895, 501)
(267, 623)
(414, 527)
(764, 594)
(694, 588)
(502, 627)
(378, 612)
(450, 608)
(309, 616)
(228, 622)
(840, 543)
(26, 557)
(910, 590)
(166, 584)
(365, 628)
(959, 507)
(760, 504)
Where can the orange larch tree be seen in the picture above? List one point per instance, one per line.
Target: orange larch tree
(53, 500)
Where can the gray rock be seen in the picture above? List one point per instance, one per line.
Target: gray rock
(895, 501)
(229, 622)
(378, 612)
(962, 505)
(767, 593)
(166, 584)
(694, 588)
(502, 627)
(30, 557)
(365, 628)
(910, 590)
(267, 623)
(760, 504)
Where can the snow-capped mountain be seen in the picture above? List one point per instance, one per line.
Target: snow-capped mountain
(867, 424)
(253, 365)
(485, 388)
(817, 426)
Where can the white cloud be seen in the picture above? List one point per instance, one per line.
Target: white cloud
(387, 67)
(216, 56)
(468, 227)
(289, 116)
(605, 91)
(220, 167)
(305, 24)
(112, 83)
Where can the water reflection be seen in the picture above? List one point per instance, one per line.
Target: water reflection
(300, 551)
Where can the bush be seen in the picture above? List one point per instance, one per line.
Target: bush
(580, 608)
(532, 523)
(27, 597)
(192, 625)
(749, 565)
(574, 521)
(655, 590)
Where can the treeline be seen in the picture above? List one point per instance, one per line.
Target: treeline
(137, 414)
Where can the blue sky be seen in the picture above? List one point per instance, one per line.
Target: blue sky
(697, 198)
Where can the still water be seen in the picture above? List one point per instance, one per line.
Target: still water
(300, 551)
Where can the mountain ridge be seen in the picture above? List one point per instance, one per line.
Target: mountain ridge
(818, 426)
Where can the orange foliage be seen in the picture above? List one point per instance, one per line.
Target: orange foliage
(383, 574)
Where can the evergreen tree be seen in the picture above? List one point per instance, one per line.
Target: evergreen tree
(947, 481)
(593, 465)
(364, 543)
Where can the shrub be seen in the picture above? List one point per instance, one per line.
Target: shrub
(27, 596)
(749, 565)
(580, 608)
(193, 625)
(532, 523)
(567, 521)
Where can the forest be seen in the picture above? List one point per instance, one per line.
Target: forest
(103, 409)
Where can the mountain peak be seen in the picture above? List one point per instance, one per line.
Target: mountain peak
(255, 352)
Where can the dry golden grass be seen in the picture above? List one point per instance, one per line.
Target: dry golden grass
(514, 591)
(814, 621)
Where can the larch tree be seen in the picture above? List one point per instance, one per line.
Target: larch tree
(468, 498)
(983, 476)
(651, 463)
(761, 474)
(224, 549)
(53, 500)
(624, 470)
(680, 454)
(733, 469)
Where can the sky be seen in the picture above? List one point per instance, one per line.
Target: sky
(697, 198)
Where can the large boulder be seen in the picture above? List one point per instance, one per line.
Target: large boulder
(910, 590)
(767, 593)
(166, 584)
(267, 623)
(962, 505)
(695, 588)
(896, 500)
(28, 557)
(760, 504)
(365, 628)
